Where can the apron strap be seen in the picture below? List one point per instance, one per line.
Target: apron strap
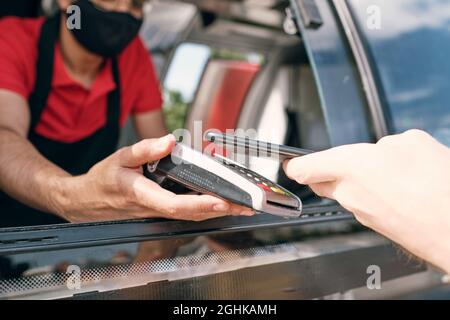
(44, 69)
(113, 113)
(44, 76)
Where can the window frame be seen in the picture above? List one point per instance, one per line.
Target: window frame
(379, 116)
(70, 236)
(352, 101)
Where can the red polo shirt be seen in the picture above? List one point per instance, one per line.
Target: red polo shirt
(74, 112)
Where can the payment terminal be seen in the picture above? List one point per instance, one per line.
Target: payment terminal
(218, 176)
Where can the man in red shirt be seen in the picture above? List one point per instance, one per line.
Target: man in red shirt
(65, 93)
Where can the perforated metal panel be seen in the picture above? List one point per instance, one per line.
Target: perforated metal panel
(165, 269)
(53, 284)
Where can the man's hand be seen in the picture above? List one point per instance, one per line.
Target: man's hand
(400, 187)
(115, 189)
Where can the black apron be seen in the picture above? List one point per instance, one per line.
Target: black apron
(75, 158)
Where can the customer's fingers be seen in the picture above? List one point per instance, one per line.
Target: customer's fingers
(327, 165)
(313, 168)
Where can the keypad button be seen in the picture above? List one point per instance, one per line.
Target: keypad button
(264, 187)
(278, 190)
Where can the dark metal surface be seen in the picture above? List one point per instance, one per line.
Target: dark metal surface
(301, 279)
(310, 13)
(27, 239)
(47, 275)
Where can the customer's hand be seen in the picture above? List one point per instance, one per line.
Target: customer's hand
(400, 187)
(115, 189)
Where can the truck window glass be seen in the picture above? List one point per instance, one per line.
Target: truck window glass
(409, 52)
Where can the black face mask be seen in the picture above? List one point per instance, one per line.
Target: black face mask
(105, 33)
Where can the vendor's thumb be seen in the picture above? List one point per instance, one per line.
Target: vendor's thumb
(146, 151)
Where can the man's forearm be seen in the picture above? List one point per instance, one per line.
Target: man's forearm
(27, 176)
